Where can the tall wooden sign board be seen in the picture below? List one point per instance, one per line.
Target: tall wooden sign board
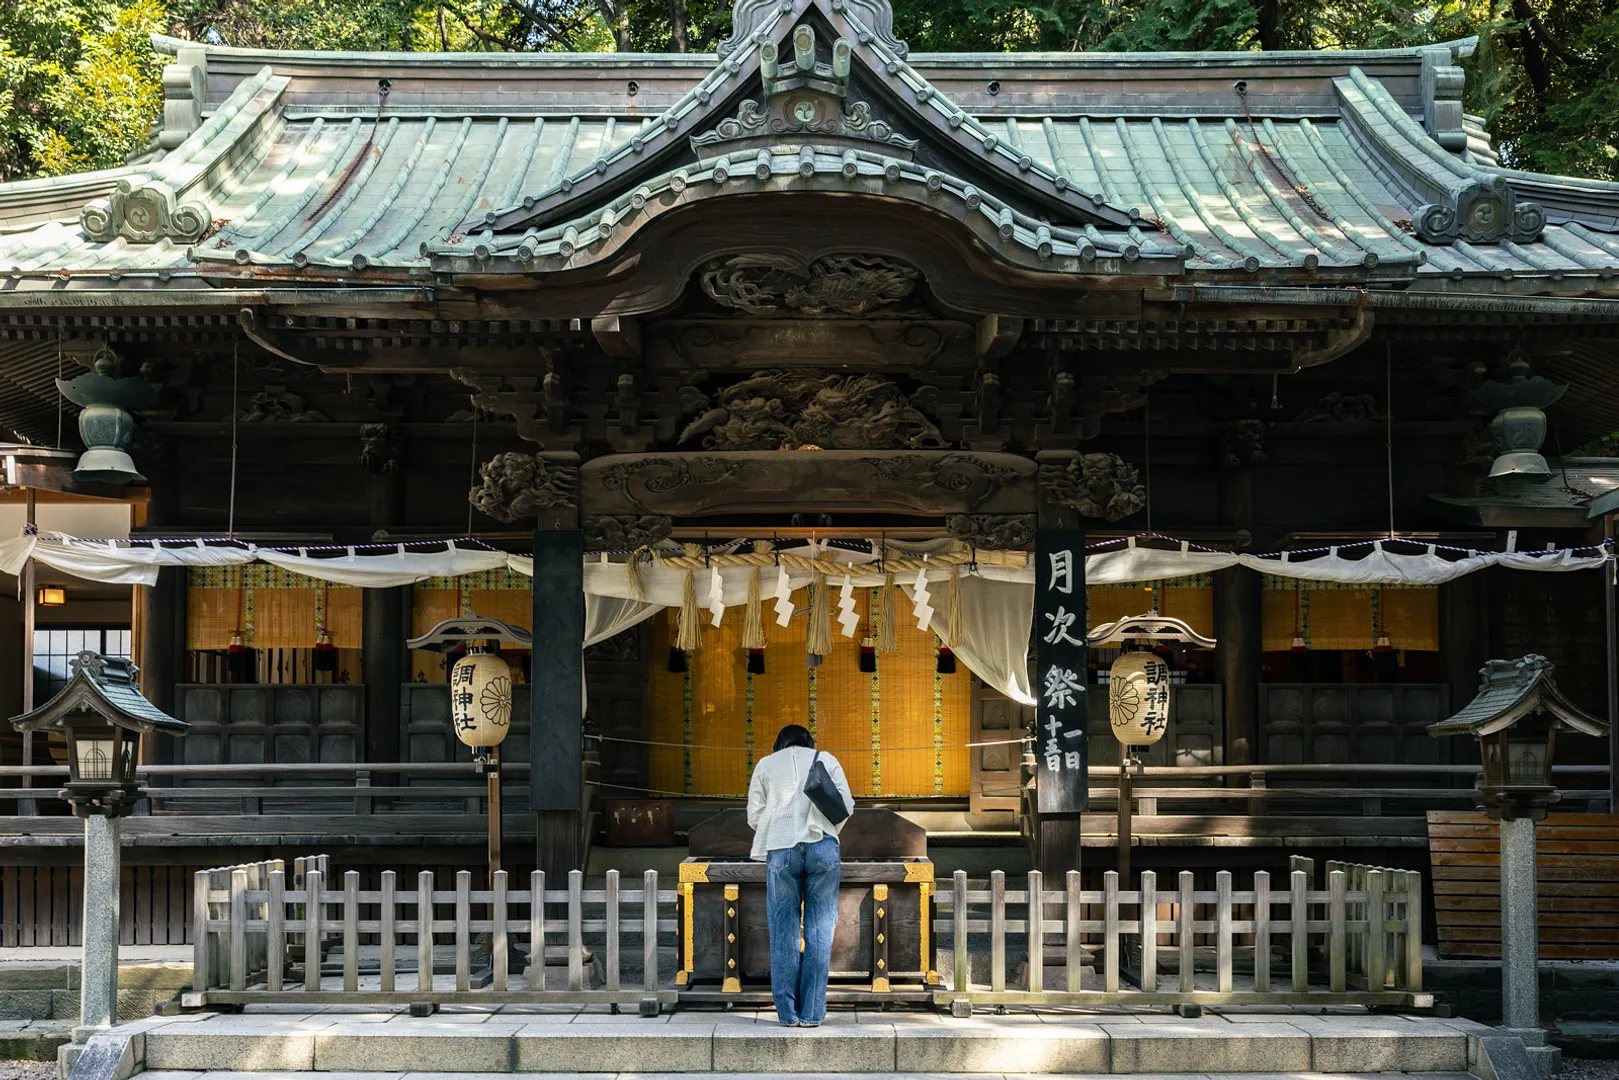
(1060, 751)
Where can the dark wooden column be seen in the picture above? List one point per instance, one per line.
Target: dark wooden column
(555, 753)
(385, 613)
(163, 644)
(1238, 629)
(1238, 610)
(1464, 637)
(163, 637)
(385, 624)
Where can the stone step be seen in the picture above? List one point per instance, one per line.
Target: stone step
(573, 1039)
(176, 1075)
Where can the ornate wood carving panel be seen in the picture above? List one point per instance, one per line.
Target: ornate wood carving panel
(930, 483)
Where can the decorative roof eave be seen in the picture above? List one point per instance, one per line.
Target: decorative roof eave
(1539, 694)
(115, 699)
(1456, 200)
(169, 199)
(1016, 237)
(758, 21)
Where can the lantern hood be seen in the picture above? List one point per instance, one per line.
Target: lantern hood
(1510, 690)
(453, 634)
(1148, 627)
(103, 686)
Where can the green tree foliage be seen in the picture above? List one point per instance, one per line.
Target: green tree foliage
(78, 80)
(78, 83)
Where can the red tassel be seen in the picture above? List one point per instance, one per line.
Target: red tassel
(756, 661)
(946, 664)
(677, 660)
(325, 658)
(868, 656)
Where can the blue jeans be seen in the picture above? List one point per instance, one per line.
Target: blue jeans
(804, 874)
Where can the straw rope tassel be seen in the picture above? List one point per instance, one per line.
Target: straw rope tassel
(753, 628)
(819, 638)
(952, 609)
(633, 578)
(688, 635)
(886, 642)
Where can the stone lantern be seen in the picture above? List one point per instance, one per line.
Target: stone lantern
(102, 715)
(1519, 425)
(1515, 718)
(106, 422)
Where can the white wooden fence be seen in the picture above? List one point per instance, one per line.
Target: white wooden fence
(260, 937)
(1334, 936)
(249, 932)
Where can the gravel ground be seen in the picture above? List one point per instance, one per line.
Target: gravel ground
(1589, 1069)
(27, 1070)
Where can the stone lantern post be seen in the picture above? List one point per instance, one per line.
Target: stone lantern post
(102, 715)
(1516, 717)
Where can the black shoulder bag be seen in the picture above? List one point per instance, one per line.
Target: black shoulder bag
(823, 793)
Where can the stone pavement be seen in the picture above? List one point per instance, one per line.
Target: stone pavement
(388, 1045)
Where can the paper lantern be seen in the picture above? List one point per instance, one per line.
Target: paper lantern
(481, 699)
(1138, 698)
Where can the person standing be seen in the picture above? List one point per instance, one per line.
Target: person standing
(799, 846)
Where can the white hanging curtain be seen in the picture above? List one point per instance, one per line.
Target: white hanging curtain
(996, 617)
(605, 617)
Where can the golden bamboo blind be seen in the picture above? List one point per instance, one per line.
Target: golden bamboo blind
(273, 608)
(1328, 615)
(491, 594)
(899, 732)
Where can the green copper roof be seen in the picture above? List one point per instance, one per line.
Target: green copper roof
(1312, 168)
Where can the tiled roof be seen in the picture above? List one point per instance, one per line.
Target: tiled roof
(1339, 184)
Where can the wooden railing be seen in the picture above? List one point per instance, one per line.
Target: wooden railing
(240, 923)
(1133, 922)
(1321, 789)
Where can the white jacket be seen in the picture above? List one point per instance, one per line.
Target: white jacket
(779, 811)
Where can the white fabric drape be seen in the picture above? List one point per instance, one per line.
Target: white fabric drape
(605, 617)
(137, 563)
(995, 618)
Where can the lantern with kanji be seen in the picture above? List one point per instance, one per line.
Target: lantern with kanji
(480, 682)
(1138, 698)
(1138, 682)
(481, 698)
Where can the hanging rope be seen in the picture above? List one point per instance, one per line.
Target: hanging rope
(688, 634)
(230, 521)
(953, 629)
(887, 642)
(818, 638)
(753, 628)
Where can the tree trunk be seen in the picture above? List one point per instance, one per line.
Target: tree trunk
(677, 27)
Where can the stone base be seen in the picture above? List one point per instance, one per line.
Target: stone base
(591, 1039)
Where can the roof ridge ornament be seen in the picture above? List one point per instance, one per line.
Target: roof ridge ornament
(1457, 201)
(803, 97)
(876, 17)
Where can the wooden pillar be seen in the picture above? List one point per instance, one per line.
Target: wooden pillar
(1238, 613)
(162, 642)
(384, 667)
(557, 688)
(1464, 637)
(384, 621)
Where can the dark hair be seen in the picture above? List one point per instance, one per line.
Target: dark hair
(795, 735)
